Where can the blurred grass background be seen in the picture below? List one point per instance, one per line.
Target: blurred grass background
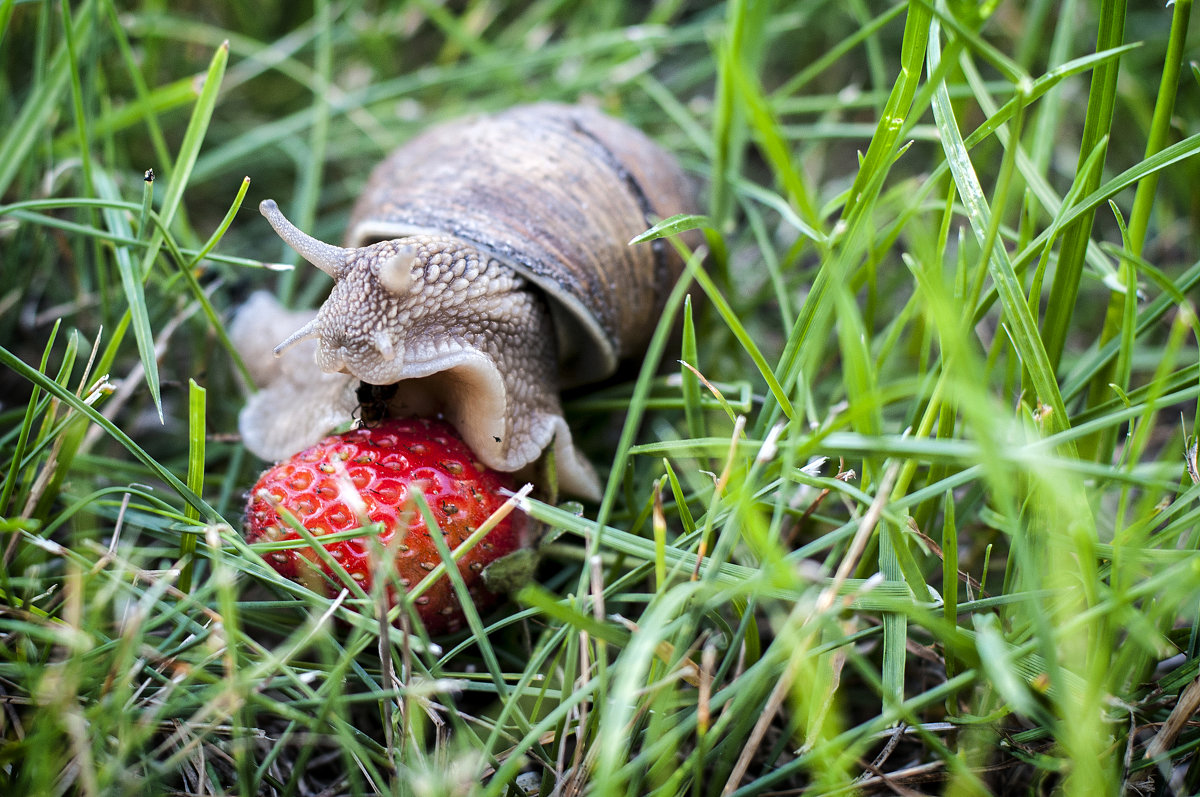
(928, 526)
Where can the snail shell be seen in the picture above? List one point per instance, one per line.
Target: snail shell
(487, 266)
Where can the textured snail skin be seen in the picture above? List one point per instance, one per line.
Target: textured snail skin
(488, 266)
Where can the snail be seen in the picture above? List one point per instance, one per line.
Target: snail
(487, 267)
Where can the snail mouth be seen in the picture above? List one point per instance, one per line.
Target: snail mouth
(468, 390)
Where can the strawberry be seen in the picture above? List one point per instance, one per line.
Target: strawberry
(370, 470)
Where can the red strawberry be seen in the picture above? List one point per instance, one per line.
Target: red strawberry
(381, 462)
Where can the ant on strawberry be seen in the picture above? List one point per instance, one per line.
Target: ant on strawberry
(372, 402)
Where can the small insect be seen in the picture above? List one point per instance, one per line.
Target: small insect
(373, 402)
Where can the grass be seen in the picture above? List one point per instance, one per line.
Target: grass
(916, 510)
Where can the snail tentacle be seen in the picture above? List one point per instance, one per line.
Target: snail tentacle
(309, 330)
(327, 257)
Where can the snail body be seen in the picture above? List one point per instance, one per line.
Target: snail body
(486, 266)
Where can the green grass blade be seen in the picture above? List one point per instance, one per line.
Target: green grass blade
(1024, 332)
(18, 456)
(1097, 128)
(132, 282)
(197, 431)
(34, 376)
(23, 134)
(1160, 126)
(177, 182)
(739, 331)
